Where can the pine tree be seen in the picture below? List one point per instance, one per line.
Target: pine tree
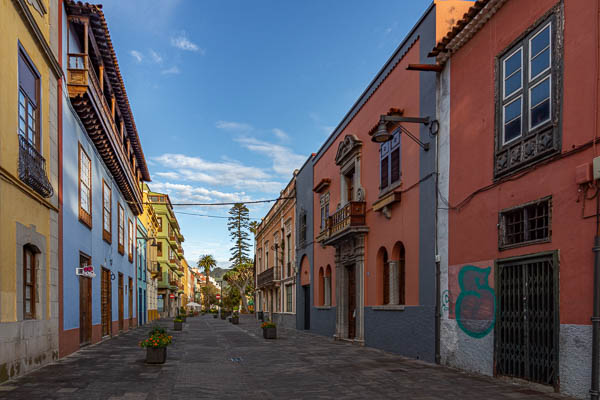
(238, 226)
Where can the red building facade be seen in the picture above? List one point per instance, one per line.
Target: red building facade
(518, 113)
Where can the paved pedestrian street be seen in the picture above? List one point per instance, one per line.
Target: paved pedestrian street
(213, 359)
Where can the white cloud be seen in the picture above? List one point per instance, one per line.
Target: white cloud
(281, 135)
(183, 43)
(181, 193)
(137, 55)
(228, 173)
(157, 58)
(174, 70)
(233, 126)
(285, 161)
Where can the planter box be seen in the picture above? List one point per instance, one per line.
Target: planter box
(215, 316)
(229, 319)
(235, 320)
(261, 316)
(270, 333)
(223, 315)
(177, 326)
(156, 355)
(183, 317)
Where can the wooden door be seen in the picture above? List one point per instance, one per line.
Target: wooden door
(130, 303)
(85, 310)
(121, 301)
(351, 302)
(306, 306)
(106, 302)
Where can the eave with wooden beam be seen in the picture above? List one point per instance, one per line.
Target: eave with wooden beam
(424, 67)
(100, 100)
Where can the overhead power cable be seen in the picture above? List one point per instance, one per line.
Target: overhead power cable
(223, 204)
(208, 216)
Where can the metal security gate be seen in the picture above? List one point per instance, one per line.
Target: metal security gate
(527, 320)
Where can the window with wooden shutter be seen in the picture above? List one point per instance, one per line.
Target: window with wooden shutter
(130, 242)
(390, 171)
(106, 212)
(85, 188)
(121, 233)
(29, 280)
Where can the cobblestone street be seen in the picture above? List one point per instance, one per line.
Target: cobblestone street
(214, 359)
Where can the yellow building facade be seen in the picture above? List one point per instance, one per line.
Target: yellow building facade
(29, 191)
(150, 221)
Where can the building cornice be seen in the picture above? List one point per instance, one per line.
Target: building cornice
(466, 28)
(29, 19)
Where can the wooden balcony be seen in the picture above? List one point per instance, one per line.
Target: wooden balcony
(347, 219)
(267, 277)
(90, 103)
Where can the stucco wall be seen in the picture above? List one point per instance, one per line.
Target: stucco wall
(79, 238)
(473, 231)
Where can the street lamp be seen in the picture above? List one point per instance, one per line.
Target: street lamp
(382, 134)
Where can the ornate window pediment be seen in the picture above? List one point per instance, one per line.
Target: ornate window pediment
(347, 149)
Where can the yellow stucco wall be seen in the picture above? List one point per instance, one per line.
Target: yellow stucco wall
(17, 204)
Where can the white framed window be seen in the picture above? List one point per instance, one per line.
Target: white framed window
(106, 211)
(540, 52)
(85, 187)
(528, 111)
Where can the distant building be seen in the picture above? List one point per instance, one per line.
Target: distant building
(169, 256)
(275, 255)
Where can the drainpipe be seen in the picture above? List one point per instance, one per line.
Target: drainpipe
(594, 391)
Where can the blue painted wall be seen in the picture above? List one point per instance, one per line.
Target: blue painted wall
(77, 237)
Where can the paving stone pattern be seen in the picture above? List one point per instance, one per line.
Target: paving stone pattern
(213, 359)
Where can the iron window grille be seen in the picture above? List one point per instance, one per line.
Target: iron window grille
(529, 76)
(526, 224)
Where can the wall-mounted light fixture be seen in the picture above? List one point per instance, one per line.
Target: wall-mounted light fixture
(382, 134)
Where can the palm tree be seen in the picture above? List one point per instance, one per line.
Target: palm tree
(207, 262)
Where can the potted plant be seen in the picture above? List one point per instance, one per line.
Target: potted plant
(178, 324)
(269, 330)
(156, 346)
(182, 314)
(235, 318)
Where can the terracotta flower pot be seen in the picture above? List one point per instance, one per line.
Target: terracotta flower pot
(270, 333)
(156, 355)
(177, 325)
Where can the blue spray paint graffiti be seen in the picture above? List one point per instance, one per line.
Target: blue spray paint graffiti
(476, 304)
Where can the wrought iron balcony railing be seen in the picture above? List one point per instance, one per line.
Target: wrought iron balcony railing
(32, 168)
(351, 215)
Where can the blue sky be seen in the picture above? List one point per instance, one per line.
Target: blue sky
(229, 97)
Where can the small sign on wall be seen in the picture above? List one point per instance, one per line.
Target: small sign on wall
(87, 271)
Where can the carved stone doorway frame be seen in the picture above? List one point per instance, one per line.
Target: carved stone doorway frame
(349, 252)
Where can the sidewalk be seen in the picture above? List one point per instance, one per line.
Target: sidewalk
(213, 359)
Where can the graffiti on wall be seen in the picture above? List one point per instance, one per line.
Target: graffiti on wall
(475, 307)
(445, 301)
